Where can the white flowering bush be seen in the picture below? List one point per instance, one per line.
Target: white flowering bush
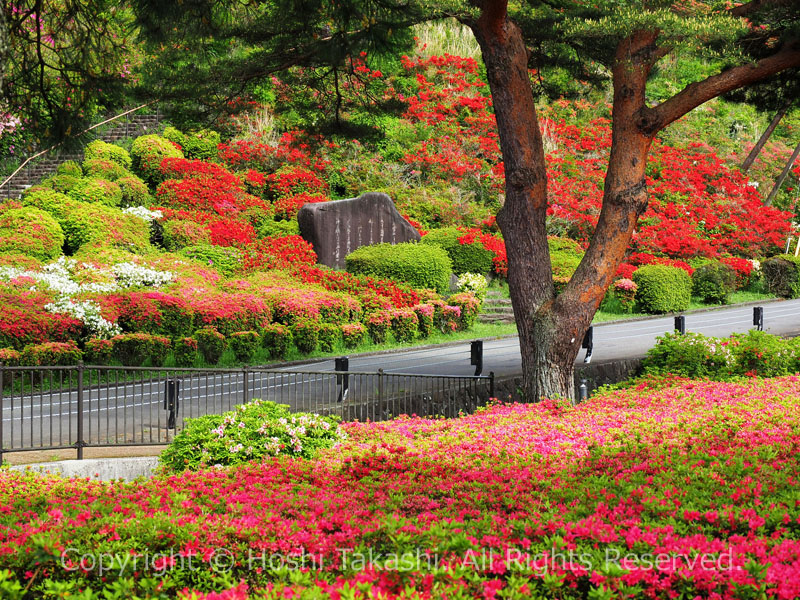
(473, 282)
(143, 213)
(88, 313)
(133, 275)
(252, 431)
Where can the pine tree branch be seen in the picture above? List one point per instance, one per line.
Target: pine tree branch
(656, 118)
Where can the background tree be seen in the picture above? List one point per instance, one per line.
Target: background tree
(620, 41)
(65, 61)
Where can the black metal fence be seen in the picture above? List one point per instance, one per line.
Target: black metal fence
(51, 408)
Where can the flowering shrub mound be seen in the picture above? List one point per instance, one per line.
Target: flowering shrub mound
(30, 231)
(252, 431)
(665, 489)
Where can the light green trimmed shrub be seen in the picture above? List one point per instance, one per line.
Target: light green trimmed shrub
(306, 335)
(782, 275)
(211, 344)
(32, 232)
(470, 306)
(69, 167)
(61, 183)
(147, 152)
(134, 191)
(182, 233)
(98, 224)
(419, 265)
(565, 256)
(133, 349)
(9, 357)
(329, 335)
(100, 191)
(244, 344)
(276, 338)
(98, 149)
(223, 259)
(713, 282)
(353, 334)
(249, 433)
(662, 289)
(104, 169)
(378, 325)
(48, 200)
(185, 351)
(467, 258)
(51, 354)
(405, 324)
(199, 145)
(98, 351)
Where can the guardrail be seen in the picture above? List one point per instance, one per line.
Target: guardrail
(82, 406)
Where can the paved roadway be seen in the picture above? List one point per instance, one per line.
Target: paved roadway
(133, 412)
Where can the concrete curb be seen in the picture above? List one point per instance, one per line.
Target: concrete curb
(98, 469)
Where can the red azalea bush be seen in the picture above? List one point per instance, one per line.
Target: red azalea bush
(211, 344)
(405, 324)
(98, 351)
(51, 354)
(353, 334)
(185, 350)
(378, 325)
(276, 339)
(133, 349)
(9, 357)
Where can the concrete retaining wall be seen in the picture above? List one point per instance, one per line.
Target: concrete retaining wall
(103, 469)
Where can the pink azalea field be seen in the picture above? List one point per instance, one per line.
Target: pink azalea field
(670, 489)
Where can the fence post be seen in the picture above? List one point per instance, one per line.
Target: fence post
(380, 392)
(2, 383)
(491, 384)
(79, 444)
(246, 371)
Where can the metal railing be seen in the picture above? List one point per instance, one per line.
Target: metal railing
(77, 407)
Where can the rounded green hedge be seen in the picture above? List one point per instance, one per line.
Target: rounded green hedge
(86, 223)
(101, 150)
(147, 152)
(223, 259)
(713, 282)
(101, 191)
(69, 167)
(104, 169)
(782, 275)
(200, 145)
(48, 200)
(419, 265)
(134, 191)
(61, 183)
(32, 232)
(662, 289)
(467, 258)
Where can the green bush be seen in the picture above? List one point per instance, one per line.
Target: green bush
(100, 150)
(97, 224)
(185, 351)
(147, 152)
(782, 275)
(32, 232)
(244, 344)
(199, 145)
(182, 233)
(134, 191)
(760, 354)
(223, 259)
(104, 169)
(133, 349)
(273, 228)
(378, 325)
(276, 338)
(61, 183)
(305, 334)
(425, 314)
(565, 256)
(250, 432)
(100, 191)
(467, 258)
(353, 334)
(419, 265)
(48, 200)
(51, 354)
(211, 344)
(69, 167)
(329, 336)
(662, 289)
(9, 357)
(470, 306)
(405, 324)
(689, 355)
(98, 351)
(713, 282)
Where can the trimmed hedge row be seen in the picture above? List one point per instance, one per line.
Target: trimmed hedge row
(419, 265)
(662, 289)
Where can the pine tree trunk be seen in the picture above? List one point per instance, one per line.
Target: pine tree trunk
(783, 176)
(748, 162)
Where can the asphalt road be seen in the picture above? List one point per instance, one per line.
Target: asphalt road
(117, 410)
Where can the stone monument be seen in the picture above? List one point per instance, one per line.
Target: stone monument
(338, 227)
